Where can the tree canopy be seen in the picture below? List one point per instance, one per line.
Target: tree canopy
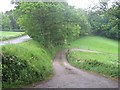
(59, 23)
(105, 21)
(51, 23)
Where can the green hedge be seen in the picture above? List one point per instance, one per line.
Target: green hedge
(25, 63)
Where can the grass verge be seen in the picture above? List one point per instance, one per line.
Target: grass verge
(95, 62)
(6, 35)
(24, 64)
(106, 62)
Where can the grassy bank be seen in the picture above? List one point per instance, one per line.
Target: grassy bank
(5, 35)
(96, 43)
(25, 63)
(104, 62)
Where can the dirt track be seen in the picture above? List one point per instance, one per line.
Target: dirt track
(67, 76)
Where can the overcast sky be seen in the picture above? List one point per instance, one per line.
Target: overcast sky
(5, 4)
(83, 3)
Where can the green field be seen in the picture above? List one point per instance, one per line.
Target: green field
(104, 62)
(25, 63)
(96, 43)
(5, 35)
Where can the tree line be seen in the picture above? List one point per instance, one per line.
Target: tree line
(59, 23)
(52, 23)
(9, 22)
(105, 21)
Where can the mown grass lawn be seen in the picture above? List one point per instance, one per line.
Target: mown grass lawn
(96, 43)
(104, 62)
(5, 35)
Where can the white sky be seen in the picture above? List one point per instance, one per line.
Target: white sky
(83, 3)
(5, 4)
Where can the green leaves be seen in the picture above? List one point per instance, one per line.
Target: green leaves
(106, 22)
(49, 23)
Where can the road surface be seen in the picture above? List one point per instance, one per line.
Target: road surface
(67, 76)
(16, 40)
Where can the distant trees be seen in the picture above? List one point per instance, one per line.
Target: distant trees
(58, 23)
(105, 21)
(83, 22)
(5, 22)
(9, 22)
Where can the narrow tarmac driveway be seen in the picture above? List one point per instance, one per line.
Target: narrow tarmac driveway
(67, 76)
(16, 40)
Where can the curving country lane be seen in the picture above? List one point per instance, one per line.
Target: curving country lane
(67, 76)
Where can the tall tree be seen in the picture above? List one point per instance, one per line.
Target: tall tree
(106, 22)
(5, 22)
(49, 23)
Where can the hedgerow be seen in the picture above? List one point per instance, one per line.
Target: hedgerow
(24, 63)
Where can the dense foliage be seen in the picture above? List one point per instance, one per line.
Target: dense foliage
(58, 23)
(25, 63)
(51, 23)
(9, 22)
(105, 21)
(5, 21)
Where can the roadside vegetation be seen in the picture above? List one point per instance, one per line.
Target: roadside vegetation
(25, 63)
(104, 61)
(53, 26)
(5, 35)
